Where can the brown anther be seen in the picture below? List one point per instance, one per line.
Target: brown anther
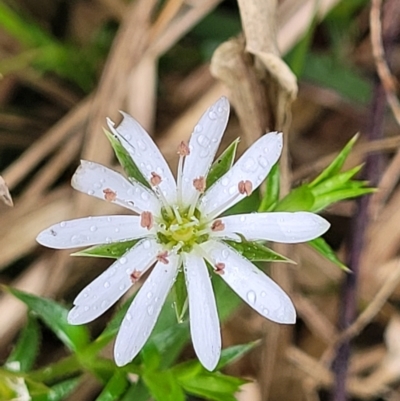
(155, 179)
(183, 149)
(135, 275)
(219, 268)
(217, 225)
(200, 184)
(162, 257)
(109, 195)
(146, 220)
(245, 187)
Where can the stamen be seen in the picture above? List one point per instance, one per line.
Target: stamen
(177, 215)
(146, 220)
(155, 179)
(135, 276)
(245, 187)
(109, 195)
(162, 257)
(200, 184)
(183, 149)
(219, 268)
(217, 225)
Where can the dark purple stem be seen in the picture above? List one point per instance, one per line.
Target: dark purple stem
(348, 306)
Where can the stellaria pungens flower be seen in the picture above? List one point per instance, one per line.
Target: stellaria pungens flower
(177, 227)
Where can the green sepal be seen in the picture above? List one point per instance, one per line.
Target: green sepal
(115, 387)
(25, 351)
(257, 252)
(114, 250)
(125, 160)
(223, 164)
(336, 164)
(320, 245)
(271, 195)
(54, 316)
(300, 198)
(180, 297)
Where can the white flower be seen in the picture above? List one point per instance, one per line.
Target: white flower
(178, 226)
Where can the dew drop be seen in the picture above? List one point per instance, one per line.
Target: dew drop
(249, 165)
(97, 185)
(93, 229)
(232, 190)
(251, 297)
(63, 224)
(109, 219)
(122, 287)
(128, 316)
(243, 218)
(142, 145)
(86, 308)
(106, 284)
(203, 141)
(85, 295)
(144, 196)
(90, 192)
(263, 294)
(225, 254)
(150, 309)
(122, 260)
(212, 115)
(225, 181)
(262, 161)
(198, 128)
(149, 294)
(105, 303)
(265, 311)
(108, 240)
(127, 137)
(131, 203)
(75, 239)
(204, 153)
(146, 244)
(116, 229)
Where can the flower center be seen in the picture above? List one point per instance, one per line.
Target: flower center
(182, 230)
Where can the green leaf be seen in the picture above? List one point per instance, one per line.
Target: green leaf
(323, 201)
(223, 164)
(137, 392)
(124, 158)
(61, 390)
(335, 182)
(55, 317)
(256, 252)
(114, 250)
(163, 386)
(151, 356)
(336, 165)
(300, 198)
(180, 297)
(115, 387)
(320, 245)
(271, 196)
(231, 354)
(24, 354)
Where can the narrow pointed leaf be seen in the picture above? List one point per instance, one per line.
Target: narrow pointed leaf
(222, 164)
(336, 164)
(24, 354)
(256, 252)
(299, 199)
(55, 317)
(115, 387)
(320, 245)
(131, 169)
(271, 195)
(231, 354)
(113, 250)
(163, 386)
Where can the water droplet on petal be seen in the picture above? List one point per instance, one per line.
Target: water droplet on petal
(93, 229)
(142, 145)
(212, 115)
(97, 185)
(225, 181)
(122, 260)
(198, 128)
(90, 192)
(263, 294)
(63, 224)
(249, 165)
(144, 195)
(106, 284)
(203, 141)
(243, 218)
(86, 308)
(262, 161)
(265, 311)
(105, 303)
(146, 244)
(128, 316)
(122, 287)
(150, 309)
(225, 253)
(251, 297)
(116, 229)
(149, 294)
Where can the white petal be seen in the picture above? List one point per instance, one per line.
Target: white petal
(253, 166)
(92, 231)
(283, 227)
(113, 283)
(203, 145)
(142, 315)
(251, 284)
(145, 153)
(204, 323)
(93, 179)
